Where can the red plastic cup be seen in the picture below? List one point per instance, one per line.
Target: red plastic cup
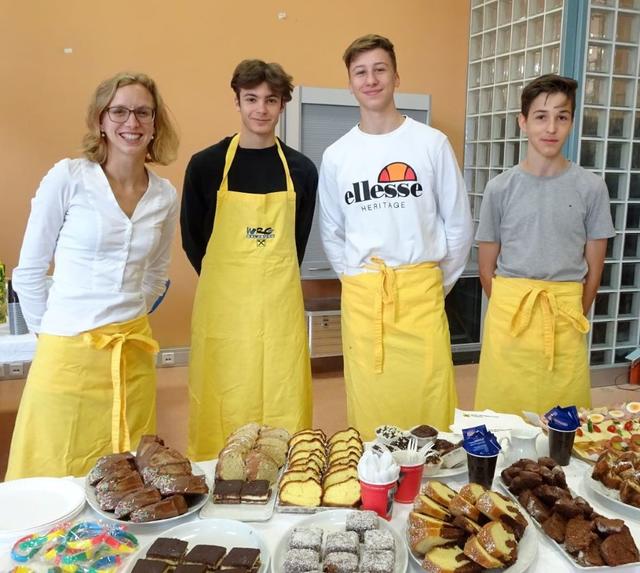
(378, 497)
(409, 482)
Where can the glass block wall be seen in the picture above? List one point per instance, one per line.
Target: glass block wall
(610, 146)
(511, 42)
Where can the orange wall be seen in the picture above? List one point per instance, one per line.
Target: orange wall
(190, 48)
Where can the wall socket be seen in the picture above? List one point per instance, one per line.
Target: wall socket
(167, 358)
(16, 370)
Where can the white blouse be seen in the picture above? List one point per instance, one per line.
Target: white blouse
(108, 268)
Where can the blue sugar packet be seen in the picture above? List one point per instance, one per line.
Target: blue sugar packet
(563, 419)
(479, 441)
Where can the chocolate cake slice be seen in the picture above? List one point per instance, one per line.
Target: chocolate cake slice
(227, 490)
(167, 549)
(169, 507)
(151, 566)
(190, 568)
(135, 500)
(209, 555)
(109, 500)
(247, 557)
(183, 484)
(255, 491)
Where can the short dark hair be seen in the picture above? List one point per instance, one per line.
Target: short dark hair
(548, 84)
(366, 44)
(251, 73)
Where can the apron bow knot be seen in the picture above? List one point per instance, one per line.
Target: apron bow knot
(120, 437)
(551, 311)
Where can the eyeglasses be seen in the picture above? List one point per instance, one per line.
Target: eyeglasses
(120, 114)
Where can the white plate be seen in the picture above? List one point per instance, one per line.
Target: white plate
(224, 532)
(611, 498)
(335, 520)
(34, 503)
(194, 502)
(559, 547)
(527, 549)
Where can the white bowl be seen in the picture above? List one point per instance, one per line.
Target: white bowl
(454, 457)
(388, 433)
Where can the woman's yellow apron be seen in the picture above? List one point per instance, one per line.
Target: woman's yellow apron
(397, 350)
(86, 396)
(249, 356)
(534, 352)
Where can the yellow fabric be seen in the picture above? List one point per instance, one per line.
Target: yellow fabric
(249, 356)
(397, 351)
(86, 396)
(534, 352)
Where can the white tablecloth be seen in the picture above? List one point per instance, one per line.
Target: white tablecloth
(548, 559)
(16, 348)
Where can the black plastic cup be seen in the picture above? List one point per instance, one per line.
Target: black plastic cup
(482, 469)
(560, 445)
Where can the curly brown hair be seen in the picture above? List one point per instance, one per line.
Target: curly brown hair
(251, 73)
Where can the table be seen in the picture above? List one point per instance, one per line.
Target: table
(548, 559)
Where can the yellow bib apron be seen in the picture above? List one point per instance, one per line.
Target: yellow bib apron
(86, 396)
(249, 356)
(534, 352)
(397, 350)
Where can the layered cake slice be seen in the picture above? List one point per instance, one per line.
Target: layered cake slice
(449, 559)
(208, 555)
(167, 549)
(151, 566)
(256, 491)
(247, 557)
(227, 490)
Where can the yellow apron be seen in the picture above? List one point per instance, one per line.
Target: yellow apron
(534, 352)
(249, 356)
(397, 350)
(86, 396)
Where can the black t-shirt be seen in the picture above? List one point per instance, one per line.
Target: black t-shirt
(252, 171)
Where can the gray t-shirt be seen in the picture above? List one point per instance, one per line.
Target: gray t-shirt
(543, 223)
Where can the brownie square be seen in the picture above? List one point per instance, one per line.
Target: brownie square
(306, 538)
(377, 561)
(340, 562)
(209, 555)
(190, 568)
(241, 557)
(255, 491)
(301, 560)
(150, 566)
(378, 540)
(167, 549)
(342, 541)
(227, 491)
(361, 521)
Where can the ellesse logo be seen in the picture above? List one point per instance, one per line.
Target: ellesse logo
(396, 181)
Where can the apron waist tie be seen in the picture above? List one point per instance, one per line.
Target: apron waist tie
(120, 438)
(551, 310)
(387, 295)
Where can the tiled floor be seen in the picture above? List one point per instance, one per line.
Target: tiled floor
(329, 403)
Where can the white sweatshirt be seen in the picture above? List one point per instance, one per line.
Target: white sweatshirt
(398, 196)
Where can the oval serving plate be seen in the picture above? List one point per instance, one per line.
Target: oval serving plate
(194, 503)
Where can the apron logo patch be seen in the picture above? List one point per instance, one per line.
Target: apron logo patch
(260, 235)
(396, 182)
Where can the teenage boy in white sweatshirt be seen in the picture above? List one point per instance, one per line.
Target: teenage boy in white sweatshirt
(396, 227)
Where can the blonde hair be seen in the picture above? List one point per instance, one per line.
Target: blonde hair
(163, 148)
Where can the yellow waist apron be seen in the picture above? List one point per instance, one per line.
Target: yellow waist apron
(86, 396)
(249, 357)
(534, 352)
(397, 350)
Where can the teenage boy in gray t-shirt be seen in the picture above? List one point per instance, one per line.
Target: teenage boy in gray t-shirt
(542, 238)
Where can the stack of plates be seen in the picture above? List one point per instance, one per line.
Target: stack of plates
(35, 504)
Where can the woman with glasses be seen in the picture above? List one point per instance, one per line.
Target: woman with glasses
(107, 222)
